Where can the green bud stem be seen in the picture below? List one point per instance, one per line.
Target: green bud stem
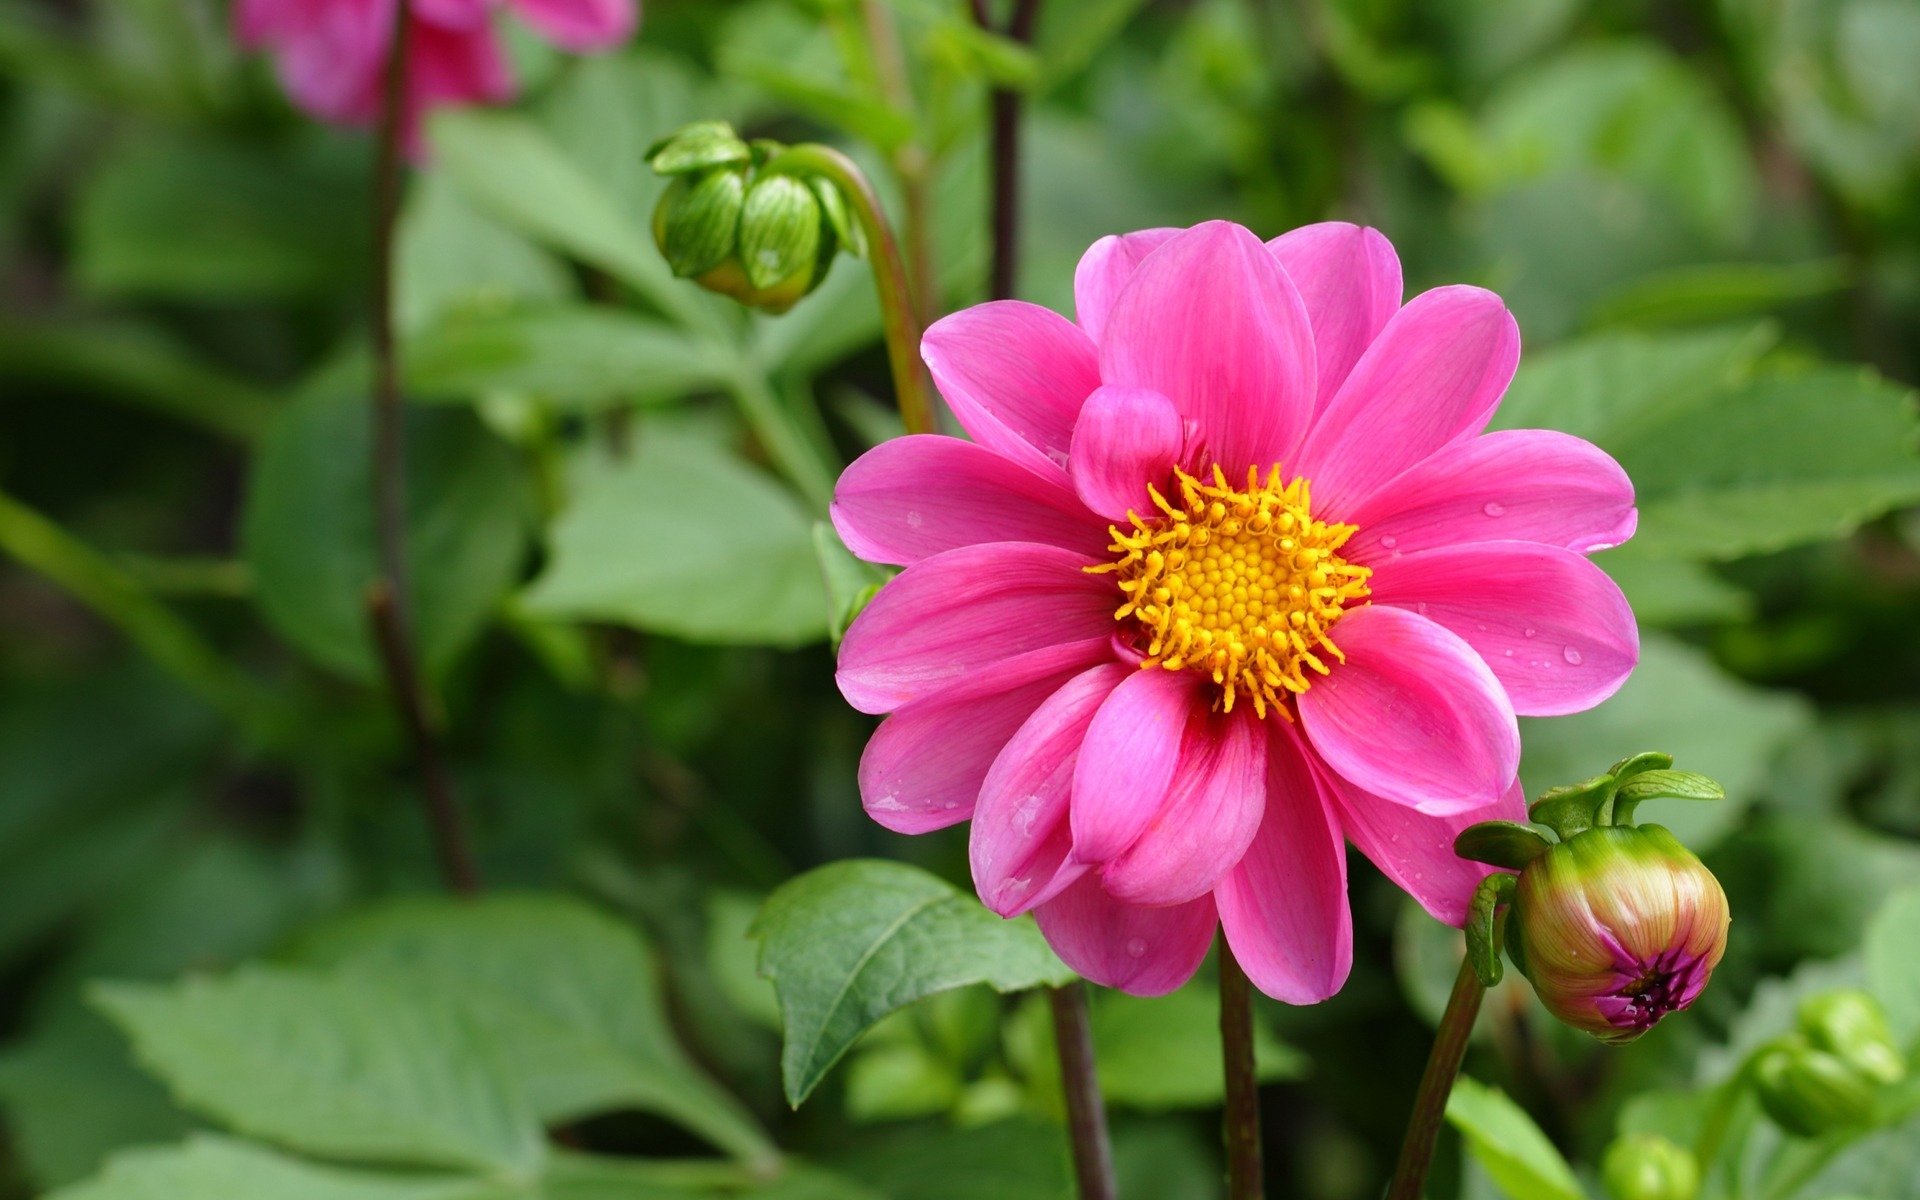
(1436, 1084)
(898, 315)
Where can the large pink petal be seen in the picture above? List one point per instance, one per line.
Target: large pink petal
(1557, 632)
(1529, 485)
(1130, 755)
(1211, 322)
(1415, 849)
(1413, 714)
(1141, 951)
(1021, 842)
(1284, 908)
(1211, 813)
(1349, 279)
(456, 66)
(581, 24)
(964, 611)
(1126, 439)
(1015, 375)
(923, 768)
(1104, 271)
(912, 497)
(1435, 373)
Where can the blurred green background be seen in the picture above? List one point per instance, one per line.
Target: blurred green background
(1705, 215)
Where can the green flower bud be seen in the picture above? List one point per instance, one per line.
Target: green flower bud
(1810, 1092)
(1851, 1026)
(765, 238)
(1616, 927)
(1646, 1166)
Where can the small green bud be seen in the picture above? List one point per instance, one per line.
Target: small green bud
(1646, 1166)
(780, 231)
(1851, 1026)
(698, 221)
(1810, 1092)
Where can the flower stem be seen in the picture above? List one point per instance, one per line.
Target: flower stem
(1005, 152)
(388, 609)
(1086, 1110)
(1245, 1171)
(1436, 1083)
(898, 315)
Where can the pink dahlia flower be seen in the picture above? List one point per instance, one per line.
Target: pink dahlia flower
(1228, 575)
(332, 54)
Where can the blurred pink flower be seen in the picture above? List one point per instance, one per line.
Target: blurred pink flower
(1228, 573)
(332, 54)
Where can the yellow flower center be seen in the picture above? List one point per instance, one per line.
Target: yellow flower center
(1243, 585)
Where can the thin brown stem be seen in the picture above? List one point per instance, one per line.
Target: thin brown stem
(1246, 1174)
(389, 610)
(1436, 1084)
(1005, 153)
(1080, 1080)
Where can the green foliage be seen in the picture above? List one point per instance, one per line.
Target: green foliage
(1509, 1145)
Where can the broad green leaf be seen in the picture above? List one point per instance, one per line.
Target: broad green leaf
(1673, 591)
(215, 1168)
(1678, 702)
(1163, 1053)
(1698, 295)
(848, 943)
(1893, 965)
(348, 1067)
(452, 258)
(1509, 1145)
(308, 530)
(579, 356)
(682, 538)
(568, 995)
(1009, 1160)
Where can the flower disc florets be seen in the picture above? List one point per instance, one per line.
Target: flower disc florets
(1243, 585)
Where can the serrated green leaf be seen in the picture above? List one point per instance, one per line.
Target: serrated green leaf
(215, 1168)
(1506, 1142)
(569, 996)
(335, 1066)
(683, 538)
(848, 943)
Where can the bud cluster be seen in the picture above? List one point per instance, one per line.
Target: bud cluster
(740, 221)
(1615, 924)
(1829, 1074)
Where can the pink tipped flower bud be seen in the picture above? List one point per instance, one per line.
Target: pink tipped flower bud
(1616, 927)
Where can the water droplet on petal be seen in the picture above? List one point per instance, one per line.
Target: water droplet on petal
(1508, 652)
(1136, 947)
(1531, 631)
(1571, 655)
(1494, 508)
(915, 520)
(1389, 542)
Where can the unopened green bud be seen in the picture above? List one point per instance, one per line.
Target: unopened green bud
(1810, 1092)
(1646, 1166)
(1851, 1026)
(697, 221)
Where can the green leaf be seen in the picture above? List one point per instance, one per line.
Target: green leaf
(1699, 295)
(1500, 843)
(1663, 785)
(1506, 1142)
(569, 996)
(308, 535)
(682, 538)
(347, 1067)
(1008, 1160)
(1162, 1053)
(451, 258)
(848, 943)
(215, 1168)
(850, 582)
(1893, 968)
(573, 357)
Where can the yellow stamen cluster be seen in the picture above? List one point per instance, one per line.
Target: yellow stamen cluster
(1243, 585)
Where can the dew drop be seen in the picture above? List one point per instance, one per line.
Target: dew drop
(1136, 947)
(1508, 652)
(1421, 608)
(1532, 632)
(1494, 508)
(915, 520)
(1571, 655)
(1389, 542)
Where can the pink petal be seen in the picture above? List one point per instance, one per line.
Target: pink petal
(1349, 279)
(1104, 271)
(1211, 813)
(1415, 849)
(451, 14)
(1211, 322)
(913, 497)
(1125, 439)
(1141, 951)
(581, 24)
(924, 767)
(1557, 632)
(1435, 373)
(1015, 375)
(1413, 714)
(964, 611)
(1284, 908)
(1127, 763)
(1021, 842)
(1529, 485)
